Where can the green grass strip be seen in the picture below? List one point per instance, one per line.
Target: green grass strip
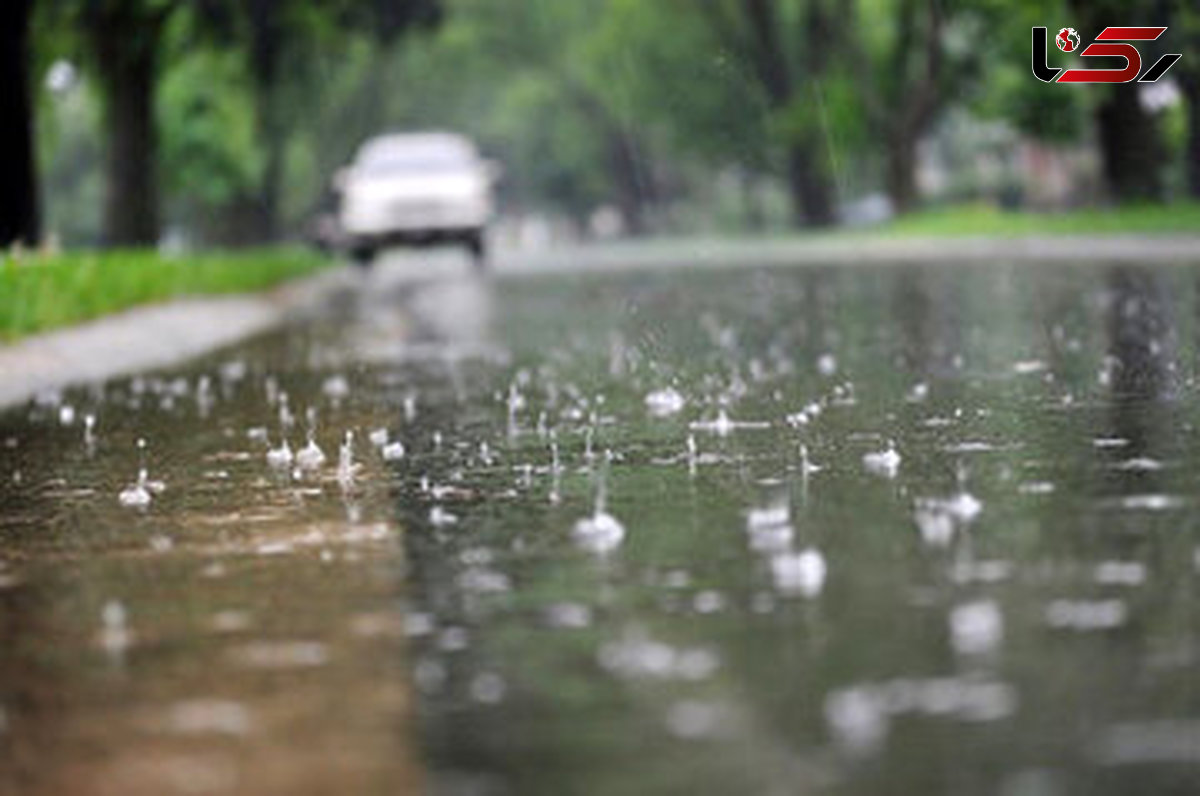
(40, 292)
(975, 219)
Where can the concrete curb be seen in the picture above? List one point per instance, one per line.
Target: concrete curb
(153, 336)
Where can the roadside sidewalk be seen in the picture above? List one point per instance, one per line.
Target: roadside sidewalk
(152, 336)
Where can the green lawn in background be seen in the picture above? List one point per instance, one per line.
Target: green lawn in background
(39, 292)
(987, 220)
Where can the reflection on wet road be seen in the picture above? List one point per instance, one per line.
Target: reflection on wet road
(844, 530)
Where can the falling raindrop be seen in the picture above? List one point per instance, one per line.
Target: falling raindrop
(115, 635)
(516, 402)
(286, 418)
(89, 432)
(347, 469)
(555, 470)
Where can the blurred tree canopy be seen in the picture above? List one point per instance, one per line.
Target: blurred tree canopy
(265, 49)
(221, 121)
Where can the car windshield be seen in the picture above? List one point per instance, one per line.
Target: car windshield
(413, 159)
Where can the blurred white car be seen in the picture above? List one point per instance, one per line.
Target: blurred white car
(415, 189)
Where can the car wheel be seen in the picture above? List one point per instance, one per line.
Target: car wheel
(478, 249)
(363, 256)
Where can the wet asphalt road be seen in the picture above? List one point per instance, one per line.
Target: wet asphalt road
(850, 530)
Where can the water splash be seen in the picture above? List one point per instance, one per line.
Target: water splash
(939, 519)
(665, 402)
(638, 656)
(807, 466)
(140, 493)
(311, 457)
(392, 451)
(884, 463)
(280, 458)
(723, 425)
(439, 517)
(770, 529)
(601, 532)
(801, 573)
(976, 627)
(115, 634)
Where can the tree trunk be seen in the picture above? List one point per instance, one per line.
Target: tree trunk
(266, 37)
(1191, 93)
(905, 98)
(809, 187)
(272, 136)
(126, 46)
(18, 182)
(901, 171)
(1130, 152)
(1129, 146)
(754, 216)
(632, 192)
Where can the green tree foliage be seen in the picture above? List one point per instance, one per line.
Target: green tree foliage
(914, 57)
(664, 110)
(258, 56)
(1185, 19)
(120, 43)
(281, 41)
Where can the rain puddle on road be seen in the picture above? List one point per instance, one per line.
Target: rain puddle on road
(921, 530)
